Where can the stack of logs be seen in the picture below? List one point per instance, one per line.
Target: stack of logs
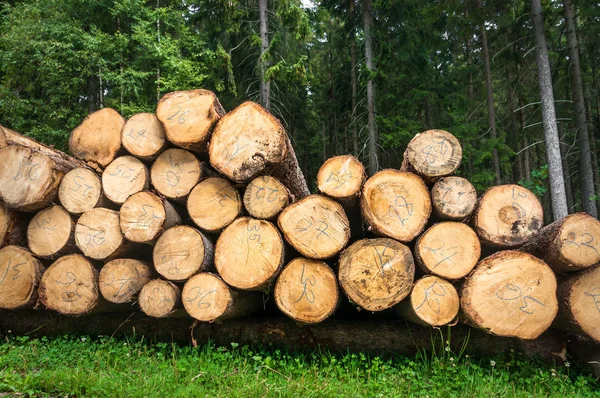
(201, 213)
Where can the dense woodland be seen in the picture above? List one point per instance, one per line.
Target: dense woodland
(344, 76)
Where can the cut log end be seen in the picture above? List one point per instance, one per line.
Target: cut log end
(50, 232)
(376, 274)
(188, 117)
(511, 294)
(122, 279)
(213, 204)
(70, 286)
(580, 302)
(122, 178)
(159, 298)
(448, 249)
(80, 190)
(454, 198)
(144, 216)
(175, 172)
(433, 154)
(206, 297)
(143, 136)
(20, 275)
(433, 301)
(307, 291)
(396, 204)
(266, 197)
(341, 177)
(98, 234)
(578, 242)
(249, 254)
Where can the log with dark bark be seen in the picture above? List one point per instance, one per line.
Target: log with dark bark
(510, 294)
(248, 142)
(567, 245)
(122, 279)
(159, 298)
(143, 136)
(13, 227)
(453, 198)
(144, 216)
(123, 177)
(213, 204)
(81, 190)
(266, 197)
(51, 233)
(21, 273)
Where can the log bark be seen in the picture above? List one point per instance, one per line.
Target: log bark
(122, 279)
(453, 198)
(568, 245)
(342, 178)
(449, 250)
(144, 216)
(51, 233)
(81, 190)
(248, 142)
(181, 252)
(13, 227)
(189, 117)
(512, 294)
(124, 177)
(432, 154)
(97, 140)
(432, 302)
(506, 216)
(213, 204)
(395, 204)
(307, 291)
(20, 274)
(159, 299)
(143, 136)
(376, 274)
(208, 299)
(316, 226)
(249, 254)
(265, 197)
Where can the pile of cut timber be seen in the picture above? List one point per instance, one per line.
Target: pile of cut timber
(195, 212)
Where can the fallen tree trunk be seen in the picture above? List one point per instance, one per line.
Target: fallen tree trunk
(143, 136)
(213, 204)
(122, 279)
(248, 142)
(144, 216)
(124, 177)
(453, 198)
(51, 233)
(20, 274)
(265, 197)
(159, 299)
(13, 227)
(81, 190)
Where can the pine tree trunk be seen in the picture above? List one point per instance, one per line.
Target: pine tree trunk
(353, 83)
(372, 124)
(566, 168)
(265, 85)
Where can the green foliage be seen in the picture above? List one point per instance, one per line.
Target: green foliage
(538, 182)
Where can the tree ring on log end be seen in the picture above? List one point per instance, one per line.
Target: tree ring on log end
(175, 172)
(122, 279)
(49, 231)
(143, 136)
(578, 241)
(20, 274)
(265, 197)
(122, 178)
(179, 253)
(213, 204)
(454, 198)
(98, 234)
(159, 298)
(434, 300)
(206, 297)
(434, 153)
(341, 177)
(80, 190)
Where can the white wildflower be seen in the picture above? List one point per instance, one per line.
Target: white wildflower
(447, 349)
(567, 364)
(493, 363)
(451, 359)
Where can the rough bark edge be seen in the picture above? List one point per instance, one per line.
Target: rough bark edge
(16, 233)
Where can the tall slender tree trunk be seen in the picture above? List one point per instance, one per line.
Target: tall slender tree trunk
(557, 182)
(490, 92)
(566, 168)
(373, 139)
(265, 85)
(353, 122)
(469, 56)
(593, 145)
(585, 156)
(158, 41)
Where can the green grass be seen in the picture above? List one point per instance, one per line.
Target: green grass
(106, 367)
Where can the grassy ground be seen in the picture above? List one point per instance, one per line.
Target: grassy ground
(104, 367)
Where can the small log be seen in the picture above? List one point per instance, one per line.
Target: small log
(144, 216)
(567, 245)
(20, 274)
(143, 136)
(432, 154)
(122, 178)
(248, 142)
(207, 298)
(181, 252)
(81, 190)
(449, 250)
(341, 178)
(376, 274)
(396, 204)
(307, 291)
(97, 140)
(13, 227)
(266, 197)
(98, 235)
(512, 294)
(507, 216)
(70, 286)
(189, 117)
(159, 298)
(122, 279)
(432, 302)
(175, 172)
(316, 226)
(51, 233)
(213, 204)
(249, 254)
(453, 198)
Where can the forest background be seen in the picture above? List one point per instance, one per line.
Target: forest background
(343, 76)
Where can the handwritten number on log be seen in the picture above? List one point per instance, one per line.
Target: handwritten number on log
(202, 305)
(595, 295)
(27, 169)
(16, 269)
(80, 182)
(235, 152)
(70, 296)
(439, 250)
(431, 297)
(253, 232)
(512, 292)
(308, 293)
(436, 148)
(160, 298)
(123, 171)
(586, 240)
(180, 118)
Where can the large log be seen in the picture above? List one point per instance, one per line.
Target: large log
(567, 245)
(213, 204)
(510, 294)
(265, 197)
(13, 227)
(341, 178)
(506, 216)
(159, 299)
(449, 250)
(81, 190)
(144, 216)
(395, 204)
(20, 274)
(432, 154)
(143, 136)
(307, 291)
(122, 279)
(123, 177)
(207, 298)
(248, 142)
(97, 140)
(189, 117)
(181, 252)
(376, 274)
(249, 254)
(453, 198)
(51, 233)
(316, 226)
